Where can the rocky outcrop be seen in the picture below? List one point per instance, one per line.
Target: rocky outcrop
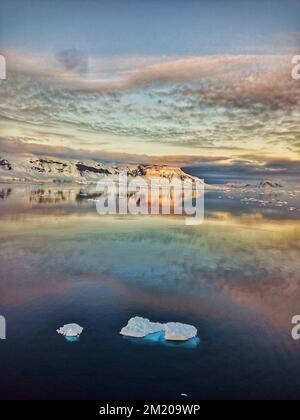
(4, 164)
(94, 169)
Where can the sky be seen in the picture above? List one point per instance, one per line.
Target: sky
(203, 83)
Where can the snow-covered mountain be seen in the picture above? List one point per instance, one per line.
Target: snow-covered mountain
(261, 184)
(48, 169)
(268, 184)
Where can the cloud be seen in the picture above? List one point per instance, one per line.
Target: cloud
(66, 67)
(191, 106)
(256, 76)
(209, 167)
(239, 81)
(73, 59)
(30, 146)
(284, 166)
(247, 169)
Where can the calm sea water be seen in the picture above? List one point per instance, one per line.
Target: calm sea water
(236, 278)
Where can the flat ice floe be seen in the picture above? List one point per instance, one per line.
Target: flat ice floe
(141, 327)
(70, 331)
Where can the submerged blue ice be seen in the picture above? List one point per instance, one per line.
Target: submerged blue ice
(72, 339)
(158, 338)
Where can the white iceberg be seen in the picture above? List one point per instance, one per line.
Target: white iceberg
(70, 330)
(140, 327)
(179, 332)
(173, 331)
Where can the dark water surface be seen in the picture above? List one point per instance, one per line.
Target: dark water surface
(236, 278)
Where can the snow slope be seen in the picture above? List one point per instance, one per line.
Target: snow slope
(49, 169)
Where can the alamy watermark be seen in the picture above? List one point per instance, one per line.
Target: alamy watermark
(153, 196)
(296, 329)
(296, 68)
(2, 328)
(2, 68)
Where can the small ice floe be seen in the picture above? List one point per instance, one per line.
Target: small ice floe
(252, 200)
(172, 331)
(70, 331)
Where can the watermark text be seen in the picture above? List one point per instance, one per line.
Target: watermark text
(163, 196)
(296, 68)
(2, 328)
(2, 67)
(296, 328)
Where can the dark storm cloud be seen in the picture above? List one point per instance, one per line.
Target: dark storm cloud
(239, 168)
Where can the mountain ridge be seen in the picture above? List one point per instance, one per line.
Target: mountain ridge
(47, 169)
